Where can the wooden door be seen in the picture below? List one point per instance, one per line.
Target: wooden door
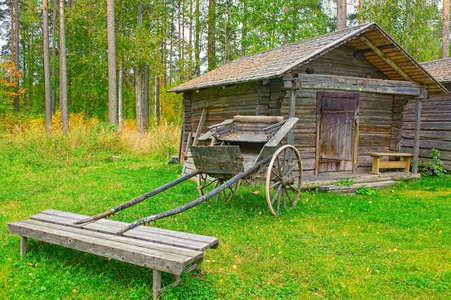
(337, 136)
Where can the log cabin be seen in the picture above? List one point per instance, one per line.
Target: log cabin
(435, 117)
(348, 88)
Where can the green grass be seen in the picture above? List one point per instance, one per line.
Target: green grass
(393, 244)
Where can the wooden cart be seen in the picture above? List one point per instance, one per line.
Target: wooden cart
(249, 146)
(244, 143)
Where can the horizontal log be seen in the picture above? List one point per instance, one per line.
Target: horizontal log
(359, 84)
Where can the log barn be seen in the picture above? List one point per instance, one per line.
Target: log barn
(435, 117)
(348, 88)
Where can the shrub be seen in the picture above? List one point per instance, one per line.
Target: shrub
(434, 166)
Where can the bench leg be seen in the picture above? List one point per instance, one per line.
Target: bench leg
(156, 284)
(157, 289)
(407, 168)
(23, 246)
(375, 168)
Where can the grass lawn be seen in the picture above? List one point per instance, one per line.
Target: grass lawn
(393, 244)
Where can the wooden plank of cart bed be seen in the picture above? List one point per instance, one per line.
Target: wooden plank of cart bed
(170, 250)
(123, 252)
(188, 240)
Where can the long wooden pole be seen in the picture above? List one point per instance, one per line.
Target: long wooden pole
(199, 200)
(138, 199)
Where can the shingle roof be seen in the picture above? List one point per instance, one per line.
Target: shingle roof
(276, 62)
(440, 69)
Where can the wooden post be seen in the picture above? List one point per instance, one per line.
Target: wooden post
(291, 113)
(416, 142)
(200, 126)
(23, 246)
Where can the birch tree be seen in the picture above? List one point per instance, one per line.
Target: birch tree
(48, 100)
(112, 100)
(63, 70)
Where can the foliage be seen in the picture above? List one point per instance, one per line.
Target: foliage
(367, 191)
(9, 79)
(344, 182)
(172, 41)
(331, 246)
(414, 24)
(434, 166)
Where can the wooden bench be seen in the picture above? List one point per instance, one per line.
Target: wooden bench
(404, 163)
(159, 249)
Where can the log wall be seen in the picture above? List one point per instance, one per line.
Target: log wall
(376, 127)
(435, 127)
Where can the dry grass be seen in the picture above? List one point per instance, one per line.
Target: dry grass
(88, 133)
(163, 139)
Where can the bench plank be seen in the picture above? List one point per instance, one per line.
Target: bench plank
(392, 154)
(158, 235)
(170, 250)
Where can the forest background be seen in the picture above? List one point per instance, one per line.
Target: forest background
(161, 43)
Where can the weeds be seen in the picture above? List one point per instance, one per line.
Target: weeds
(367, 191)
(434, 166)
(344, 182)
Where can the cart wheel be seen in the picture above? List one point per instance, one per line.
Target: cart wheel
(206, 184)
(283, 179)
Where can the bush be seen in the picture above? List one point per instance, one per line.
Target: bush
(434, 166)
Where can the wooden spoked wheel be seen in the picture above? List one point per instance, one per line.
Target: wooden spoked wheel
(206, 184)
(283, 179)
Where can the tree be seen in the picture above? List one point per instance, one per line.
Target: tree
(341, 14)
(112, 100)
(48, 100)
(445, 30)
(15, 40)
(54, 31)
(211, 50)
(63, 70)
(414, 24)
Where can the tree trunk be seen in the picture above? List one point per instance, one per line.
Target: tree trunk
(48, 102)
(197, 40)
(120, 108)
(145, 97)
(171, 48)
(190, 41)
(141, 85)
(445, 30)
(244, 30)
(15, 38)
(63, 70)
(139, 100)
(360, 12)
(54, 45)
(211, 35)
(341, 14)
(112, 100)
(157, 99)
